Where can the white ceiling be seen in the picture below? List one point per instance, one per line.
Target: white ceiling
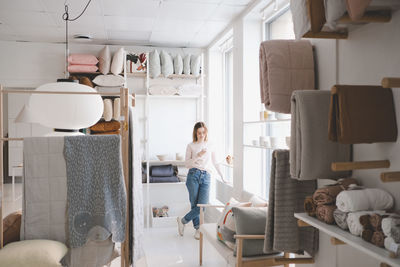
(178, 23)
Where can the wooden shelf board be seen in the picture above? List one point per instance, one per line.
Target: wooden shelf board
(351, 240)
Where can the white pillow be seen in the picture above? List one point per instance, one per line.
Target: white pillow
(108, 110)
(154, 64)
(109, 80)
(258, 202)
(167, 67)
(43, 253)
(178, 64)
(117, 109)
(117, 64)
(301, 23)
(186, 64)
(195, 64)
(162, 90)
(105, 60)
(334, 10)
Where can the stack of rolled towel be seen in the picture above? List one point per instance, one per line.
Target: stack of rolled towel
(391, 229)
(322, 203)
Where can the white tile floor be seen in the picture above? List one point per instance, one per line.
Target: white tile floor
(163, 246)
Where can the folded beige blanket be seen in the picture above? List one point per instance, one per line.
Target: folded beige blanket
(285, 66)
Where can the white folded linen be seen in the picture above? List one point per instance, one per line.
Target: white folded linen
(364, 199)
(353, 221)
(391, 227)
(163, 90)
(391, 245)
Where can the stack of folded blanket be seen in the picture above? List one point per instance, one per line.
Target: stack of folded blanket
(79, 63)
(322, 203)
(163, 174)
(106, 127)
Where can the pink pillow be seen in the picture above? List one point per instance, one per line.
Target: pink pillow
(356, 8)
(82, 68)
(82, 59)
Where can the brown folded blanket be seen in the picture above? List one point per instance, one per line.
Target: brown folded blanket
(375, 221)
(327, 195)
(378, 239)
(104, 133)
(341, 219)
(325, 213)
(106, 126)
(362, 114)
(367, 235)
(309, 206)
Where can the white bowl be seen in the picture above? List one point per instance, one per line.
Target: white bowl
(282, 116)
(255, 143)
(287, 139)
(162, 157)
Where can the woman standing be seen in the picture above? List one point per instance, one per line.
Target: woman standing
(199, 156)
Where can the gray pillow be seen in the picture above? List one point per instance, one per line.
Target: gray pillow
(154, 64)
(251, 221)
(195, 64)
(186, 64)
(178, 64)
(167, 67)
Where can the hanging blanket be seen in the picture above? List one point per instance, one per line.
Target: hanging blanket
(286, 196)
(285, 66)
(96, 192)
(311, 152)
(362, 114)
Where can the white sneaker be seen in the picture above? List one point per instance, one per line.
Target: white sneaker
(197, 234)
(181, 226)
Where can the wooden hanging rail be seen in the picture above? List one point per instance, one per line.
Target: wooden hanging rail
(359, 165)
(390, 177)
(390, 82)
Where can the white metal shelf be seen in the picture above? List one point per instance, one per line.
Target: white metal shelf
(267, 121)
(166, 162)
(172, 76)
(351, 240)
(169, 96)
(263, 147)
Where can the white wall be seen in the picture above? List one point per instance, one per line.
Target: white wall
(370, 53)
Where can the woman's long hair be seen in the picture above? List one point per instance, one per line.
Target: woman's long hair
(197, 126)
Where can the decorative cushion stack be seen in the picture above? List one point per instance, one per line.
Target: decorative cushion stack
(82, 63)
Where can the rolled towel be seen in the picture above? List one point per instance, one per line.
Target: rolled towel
(325, 213)
(309, 206)
(391, 227)
(378, 239)
(107, 112)
(391, 245)
(341, 219)
(367, 235)
(364, 199)
(353, 221)
(327, 194)
(375, 221)
(117, 109)
(364, 221)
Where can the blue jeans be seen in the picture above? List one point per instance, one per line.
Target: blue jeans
(198, 185)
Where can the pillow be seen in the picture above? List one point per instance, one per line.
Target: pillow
(117, 109)
(316, 12)
(334, 10)
(82, 59)
(178, 64)
(11, 227)
(195, 64)
(82, 68)
(186, 65)
(86, 81)
(226, 228)
(167, 67)
(109, 80)
(107, 112)
(117, 64)
(154, 64)
(162, 90)
(258, 202)
(105, 60)
(301, 22)
(251, 221)
(43, 253)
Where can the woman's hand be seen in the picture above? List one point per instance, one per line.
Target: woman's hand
(202, 152)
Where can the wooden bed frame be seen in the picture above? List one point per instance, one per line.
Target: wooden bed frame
(124, 132)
